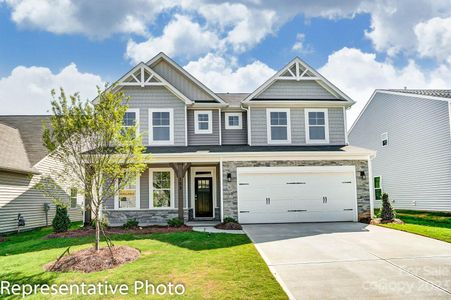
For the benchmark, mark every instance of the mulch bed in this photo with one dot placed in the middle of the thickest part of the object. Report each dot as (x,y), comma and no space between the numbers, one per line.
(89,260)
(378,221)
(229,226)
(87,231)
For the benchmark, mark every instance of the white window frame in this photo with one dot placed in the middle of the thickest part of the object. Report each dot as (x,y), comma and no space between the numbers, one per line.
(171,126)
(379,188)
(240,120)
(307,125)
(197,130)
(138,196)
(136,111)
(172,188)
(268,125)
(384,136)
(71,197)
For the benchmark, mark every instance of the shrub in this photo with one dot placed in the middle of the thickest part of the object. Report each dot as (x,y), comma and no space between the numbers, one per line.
(229,220)
(175,222)
(61,221)
(387,212)
(131,223)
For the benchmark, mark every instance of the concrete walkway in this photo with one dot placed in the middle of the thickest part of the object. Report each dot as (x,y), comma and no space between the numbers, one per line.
(210,229)
(353,261)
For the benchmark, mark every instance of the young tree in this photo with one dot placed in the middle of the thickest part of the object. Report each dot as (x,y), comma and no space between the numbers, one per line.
(387,212)
(97,154)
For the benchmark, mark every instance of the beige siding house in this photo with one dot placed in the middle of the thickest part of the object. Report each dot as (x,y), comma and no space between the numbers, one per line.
(24,162)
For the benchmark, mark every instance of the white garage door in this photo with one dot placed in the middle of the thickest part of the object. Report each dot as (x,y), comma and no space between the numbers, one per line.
(296,194)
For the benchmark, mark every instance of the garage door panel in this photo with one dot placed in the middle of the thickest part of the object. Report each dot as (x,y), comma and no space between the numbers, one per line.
(277,197)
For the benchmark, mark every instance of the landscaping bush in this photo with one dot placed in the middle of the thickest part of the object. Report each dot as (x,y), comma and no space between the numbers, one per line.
(387,212)
(130,224)
(175,222)
(61,221)
(229,220)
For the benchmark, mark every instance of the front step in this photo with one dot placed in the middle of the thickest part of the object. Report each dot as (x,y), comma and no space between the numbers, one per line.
(202,223)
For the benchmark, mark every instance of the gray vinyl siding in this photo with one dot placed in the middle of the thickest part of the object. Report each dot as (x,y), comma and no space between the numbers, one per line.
(416,165)
(289,89)
(157,97)
(234,136)
(185,85)
(297,115)
(203,139)
(19,194)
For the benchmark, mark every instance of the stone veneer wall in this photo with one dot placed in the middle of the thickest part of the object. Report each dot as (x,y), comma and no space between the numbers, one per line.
(144,217)
(230,188)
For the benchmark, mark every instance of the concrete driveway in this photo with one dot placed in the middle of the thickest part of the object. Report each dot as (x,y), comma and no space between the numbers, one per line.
(353,261)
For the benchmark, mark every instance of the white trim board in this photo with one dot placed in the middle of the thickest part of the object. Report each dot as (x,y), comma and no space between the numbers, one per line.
(233,114)
(138,196)
(197,130)
(172,187)
(212,175)
(268,126)
(307,126)
(171,127)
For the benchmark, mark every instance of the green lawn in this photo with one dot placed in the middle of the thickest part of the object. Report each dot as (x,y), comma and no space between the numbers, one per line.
(216,266)
(435,225)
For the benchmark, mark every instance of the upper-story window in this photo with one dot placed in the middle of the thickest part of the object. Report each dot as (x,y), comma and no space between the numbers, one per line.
(233,120)
(384,139)
(316,126)
(131,118)
(203,122)
(161,126)
(278,125)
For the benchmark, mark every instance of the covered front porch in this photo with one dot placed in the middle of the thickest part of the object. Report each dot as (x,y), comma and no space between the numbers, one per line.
(154,197)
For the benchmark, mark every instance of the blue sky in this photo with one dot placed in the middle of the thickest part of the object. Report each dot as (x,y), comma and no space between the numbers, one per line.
(230,46)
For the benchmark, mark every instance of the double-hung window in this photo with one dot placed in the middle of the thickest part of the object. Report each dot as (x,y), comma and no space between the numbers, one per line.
(73,197)
(128,195)
(203,122)
(278,126)
(162,189)
(316,126)
(161,123)
(233,120)
(378,187)
(131,118)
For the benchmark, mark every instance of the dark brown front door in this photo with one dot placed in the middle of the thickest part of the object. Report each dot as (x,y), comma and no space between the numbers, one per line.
(203,192)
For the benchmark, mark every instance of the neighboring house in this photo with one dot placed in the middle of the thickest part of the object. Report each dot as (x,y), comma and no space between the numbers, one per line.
(24,162)
(410,129)
(278,154)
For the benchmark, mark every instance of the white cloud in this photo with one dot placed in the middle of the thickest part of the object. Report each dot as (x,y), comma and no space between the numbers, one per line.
(434,38)
(358,74)
(181,35)
(300,46)
(223,75)
(27,89)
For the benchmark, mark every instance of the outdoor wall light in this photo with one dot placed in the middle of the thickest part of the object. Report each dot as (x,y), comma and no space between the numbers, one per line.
(229,177)
(362,175)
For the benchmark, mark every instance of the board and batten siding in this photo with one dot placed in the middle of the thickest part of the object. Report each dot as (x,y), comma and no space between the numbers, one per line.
(415,166)
(234,136)
(297,115)
(203,139)
(181,82)
(291,89)
(19,194)
(145,98)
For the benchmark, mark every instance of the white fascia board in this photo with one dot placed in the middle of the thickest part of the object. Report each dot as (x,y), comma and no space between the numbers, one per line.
(414,95)
(207,105)
(162,55)
(297,103)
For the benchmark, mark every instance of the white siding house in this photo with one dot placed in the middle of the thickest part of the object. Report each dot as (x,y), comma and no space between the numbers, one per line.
(410,129)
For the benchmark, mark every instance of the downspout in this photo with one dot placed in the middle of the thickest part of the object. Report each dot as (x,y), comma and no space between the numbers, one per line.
(248,116)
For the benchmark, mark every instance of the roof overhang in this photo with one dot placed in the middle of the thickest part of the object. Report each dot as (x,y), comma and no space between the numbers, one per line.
(298,103)
(31,171)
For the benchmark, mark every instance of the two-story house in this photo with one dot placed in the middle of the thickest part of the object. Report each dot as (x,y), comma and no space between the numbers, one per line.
(278,154)
(411,131)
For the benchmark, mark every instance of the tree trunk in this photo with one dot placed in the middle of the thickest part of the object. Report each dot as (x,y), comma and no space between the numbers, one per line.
(97,233)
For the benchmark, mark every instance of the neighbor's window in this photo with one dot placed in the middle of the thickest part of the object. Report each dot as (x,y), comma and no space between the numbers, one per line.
(203,122)
(161,123)
(73,197)
(279,125)
(161,183)
(127,195)
(130,118)
(378,188)
(384,139)
(316,126)
(233,121)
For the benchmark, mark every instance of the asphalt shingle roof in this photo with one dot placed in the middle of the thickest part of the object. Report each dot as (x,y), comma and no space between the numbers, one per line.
(234,99)
(424,92)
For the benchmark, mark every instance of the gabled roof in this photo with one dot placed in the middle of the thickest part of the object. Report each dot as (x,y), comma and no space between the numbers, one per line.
(424,92)
(21,142)
(298,70)
(142,75)
(233,99)
(161,56)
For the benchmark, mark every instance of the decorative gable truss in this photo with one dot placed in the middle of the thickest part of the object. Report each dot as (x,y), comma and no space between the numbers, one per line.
(298,70)
(143,76)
